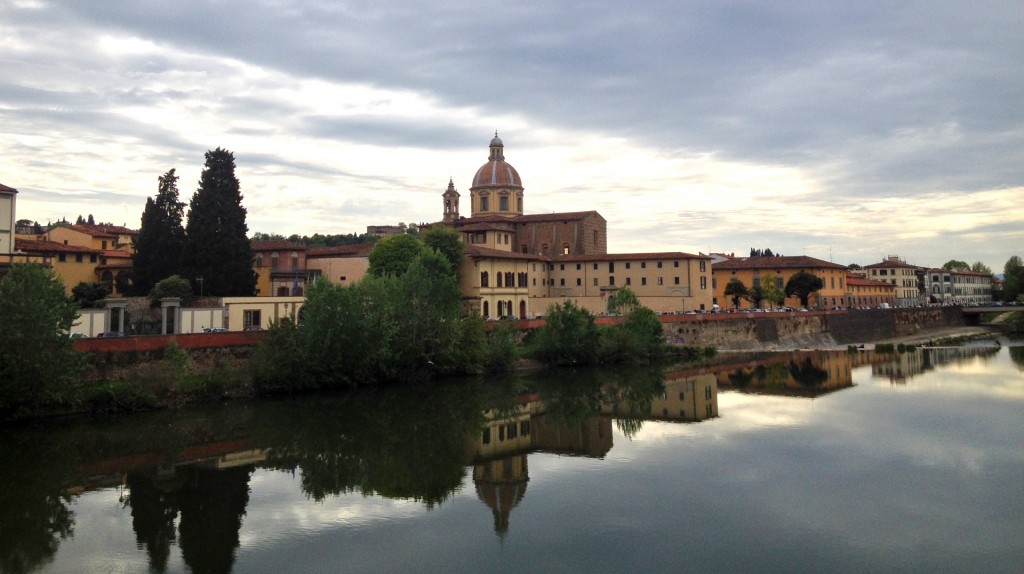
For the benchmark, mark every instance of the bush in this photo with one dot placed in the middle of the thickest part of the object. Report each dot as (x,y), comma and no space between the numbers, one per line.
(568,337)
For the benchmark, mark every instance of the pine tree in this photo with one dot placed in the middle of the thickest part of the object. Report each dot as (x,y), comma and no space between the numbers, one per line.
(217,246)
(161,238)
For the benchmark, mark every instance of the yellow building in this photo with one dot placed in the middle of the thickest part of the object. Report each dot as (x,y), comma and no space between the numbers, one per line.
(73,264)
(280,268)
(519,264)
(751,271)
(340,264)
(101,236)
(863,292)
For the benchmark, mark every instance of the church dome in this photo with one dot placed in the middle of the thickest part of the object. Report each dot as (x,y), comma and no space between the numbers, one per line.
(497,172)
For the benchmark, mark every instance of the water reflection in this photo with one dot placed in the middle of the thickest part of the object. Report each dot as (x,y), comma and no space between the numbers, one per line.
(186,476)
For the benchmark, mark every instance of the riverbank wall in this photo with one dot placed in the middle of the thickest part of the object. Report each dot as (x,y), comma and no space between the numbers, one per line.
(726,331)
(805,329)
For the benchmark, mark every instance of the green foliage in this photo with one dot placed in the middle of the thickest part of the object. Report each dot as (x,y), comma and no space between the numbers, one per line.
(387,328)
(956,265)
(37,361)
(639,337)
(802,284)
(88,295)
(770,290)
(736,290)
(623,301)
(173,286)
(447,242)
(393,255)
(502,349)
(885,348)
(1013,279)
(568,337)
(161,238)
(216,245)
(979,267)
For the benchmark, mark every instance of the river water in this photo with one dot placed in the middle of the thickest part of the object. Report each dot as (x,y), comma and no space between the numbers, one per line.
(789,462)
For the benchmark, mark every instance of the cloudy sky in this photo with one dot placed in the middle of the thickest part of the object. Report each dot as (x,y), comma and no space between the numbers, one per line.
(846,131)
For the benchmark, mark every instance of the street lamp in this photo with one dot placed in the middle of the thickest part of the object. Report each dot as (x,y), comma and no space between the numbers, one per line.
(200,280)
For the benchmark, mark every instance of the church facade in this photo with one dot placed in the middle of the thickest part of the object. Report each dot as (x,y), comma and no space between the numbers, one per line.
(518,264)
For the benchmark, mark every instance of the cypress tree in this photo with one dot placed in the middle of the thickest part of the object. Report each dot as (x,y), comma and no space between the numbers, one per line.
(161,238)
(217,245)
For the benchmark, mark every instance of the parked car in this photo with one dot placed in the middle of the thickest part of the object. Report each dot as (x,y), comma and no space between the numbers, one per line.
(253,328)
(215,330)
(111,334)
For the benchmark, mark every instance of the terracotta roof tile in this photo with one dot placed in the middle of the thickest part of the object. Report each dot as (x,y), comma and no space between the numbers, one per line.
(355,250)
(277,245)
(44,246)
(785,262)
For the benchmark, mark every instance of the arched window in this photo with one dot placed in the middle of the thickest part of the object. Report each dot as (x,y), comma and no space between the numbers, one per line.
(259,260)
(485,282)
(503,203)
(487,312)
(274,259)
(501,276)
(295,260)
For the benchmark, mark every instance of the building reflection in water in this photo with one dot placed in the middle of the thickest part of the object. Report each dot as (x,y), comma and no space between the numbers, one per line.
(899,368)
(801,374)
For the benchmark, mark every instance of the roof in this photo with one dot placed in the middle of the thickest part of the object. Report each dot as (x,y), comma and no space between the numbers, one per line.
(657,256)
(497,172)
(116,254)
(959,272)
(858,281)
(354,250)
(486,226)
(7,189)
(783,262)
(277,245)
(565,216)
(44,246)
(890,265)
(102,230)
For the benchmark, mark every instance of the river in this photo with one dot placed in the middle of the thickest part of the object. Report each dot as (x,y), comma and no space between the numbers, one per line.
(795,462)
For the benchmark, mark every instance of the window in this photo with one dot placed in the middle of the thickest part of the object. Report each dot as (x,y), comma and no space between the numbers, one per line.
(273,260)
(643,281)
(703,266)
(703,282)
(643,265)
(677,280)
(62,257)
(595,281)
(485,279)
(561,266)
(579,266)
(486,436)
(78,258)
(611,280)
(676,264)
(562,282)
(661,281)
(659,265)
(628,281)
(595,267)
(295,260)
(485,203)
(627,265)
(104,245)
(92,258)
(503,203)
(611,267)
(251,318)
(579,282)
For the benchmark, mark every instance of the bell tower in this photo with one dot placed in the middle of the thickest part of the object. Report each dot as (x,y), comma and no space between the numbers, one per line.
(451,203)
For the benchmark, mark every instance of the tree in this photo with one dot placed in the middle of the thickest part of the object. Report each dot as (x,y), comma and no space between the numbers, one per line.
(771,291)
(980,267)
(447,242)
(393,255)
(1013,279)
(161,238)
(956,265)
(90,220)
(623,301)
(802,284)
(89,294)
(737,290)
(854,266)
(568,337)
(36,358)
(217,246)
(173,286)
